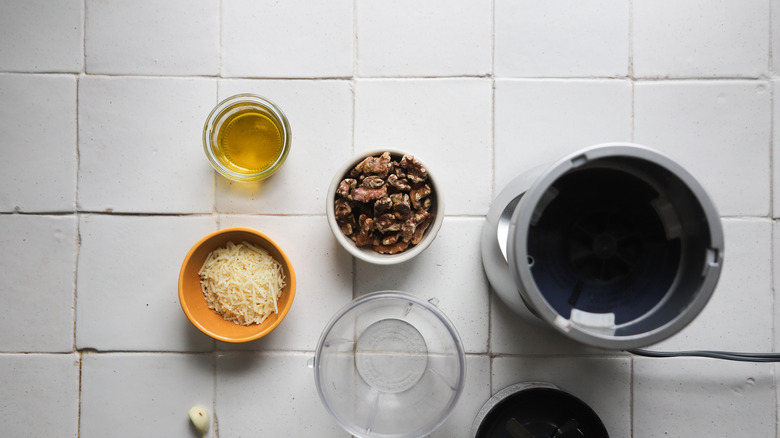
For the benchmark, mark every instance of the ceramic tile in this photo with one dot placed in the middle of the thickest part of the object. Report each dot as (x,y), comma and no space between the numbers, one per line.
(475,394)
(511,334)
(287,39)
(776,143)
(776,283)
(569,39)
(37,282)
(179,37)
(607,388)
(282,382)
(481,90)
(702,397)
(695,39)
(140,147)
(41,36)
(775,35)
(142,394)
(323,273)
(442,272)
(541,121)
(40,395)
(128,283)
(446,122)
(38,128)
(714,129)
(409,38)
(320,116)
(739,316)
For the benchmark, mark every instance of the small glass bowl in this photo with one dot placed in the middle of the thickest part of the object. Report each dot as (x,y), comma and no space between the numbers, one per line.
(231,107)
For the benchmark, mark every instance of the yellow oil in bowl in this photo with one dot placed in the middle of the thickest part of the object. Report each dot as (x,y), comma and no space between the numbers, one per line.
(249,143)
(246,138)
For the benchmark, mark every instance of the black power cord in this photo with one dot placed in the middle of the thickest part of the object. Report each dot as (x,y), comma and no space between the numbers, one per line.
(724,355)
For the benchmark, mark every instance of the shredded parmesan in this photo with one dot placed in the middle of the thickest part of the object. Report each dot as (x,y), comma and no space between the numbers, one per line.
(242,282)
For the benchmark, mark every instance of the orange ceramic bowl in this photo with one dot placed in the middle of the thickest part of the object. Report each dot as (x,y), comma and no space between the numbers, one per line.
(193,302)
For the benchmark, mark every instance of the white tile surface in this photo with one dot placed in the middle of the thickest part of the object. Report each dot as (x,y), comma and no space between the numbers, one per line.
(460,284)
(776,145)
(410,38)
(775,45)
(287,39)
(475,394)
(128,274)
(320,116)
(565,38)
(446,122)
(40,395)
(510,334)
(323,273)
(699,39)
(42,36)
(140,147)
(739,314)
(38,128)
(179,37)
(37,282)
(700,397)
(776,284)
(604,384)
(251,385)
(719,130)
(104,177)
(540,121)
(142,394)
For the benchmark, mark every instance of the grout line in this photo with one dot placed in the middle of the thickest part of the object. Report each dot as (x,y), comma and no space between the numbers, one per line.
(493,105)
(354,39)
(771,54)
(77,256)
(77,245)
(633,111)
(219,37)
(353,89)
(772,300)
(215,422)
(353,149)
(215,214)
(353,80)
(214,430)
(78,410)
(492,195)
(631,69)
(84,40)
(631,395)
(77,215)
(631,39)
(772,96)
(214,174)
(760,78)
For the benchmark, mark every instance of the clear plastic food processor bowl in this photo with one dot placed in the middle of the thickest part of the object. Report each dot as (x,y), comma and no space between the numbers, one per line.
(389,365)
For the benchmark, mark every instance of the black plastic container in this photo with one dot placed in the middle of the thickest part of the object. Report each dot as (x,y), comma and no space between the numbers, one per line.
(536,410)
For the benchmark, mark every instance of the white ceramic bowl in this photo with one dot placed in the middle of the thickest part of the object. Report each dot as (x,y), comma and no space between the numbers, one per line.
(367,253)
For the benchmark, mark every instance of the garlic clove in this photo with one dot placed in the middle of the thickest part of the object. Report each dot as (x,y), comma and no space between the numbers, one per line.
(200,418)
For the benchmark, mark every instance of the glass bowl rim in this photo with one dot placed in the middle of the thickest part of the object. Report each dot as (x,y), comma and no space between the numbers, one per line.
(218,112)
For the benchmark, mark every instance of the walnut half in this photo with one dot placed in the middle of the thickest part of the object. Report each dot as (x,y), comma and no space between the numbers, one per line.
(385,202)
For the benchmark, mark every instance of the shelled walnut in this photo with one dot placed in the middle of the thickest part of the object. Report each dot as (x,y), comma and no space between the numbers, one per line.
(385,203)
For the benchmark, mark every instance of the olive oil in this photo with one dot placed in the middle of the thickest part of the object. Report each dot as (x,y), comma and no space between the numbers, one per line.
(249,141)
(246,138)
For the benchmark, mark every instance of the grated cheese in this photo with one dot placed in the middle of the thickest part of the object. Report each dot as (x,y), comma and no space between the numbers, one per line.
(242,282)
